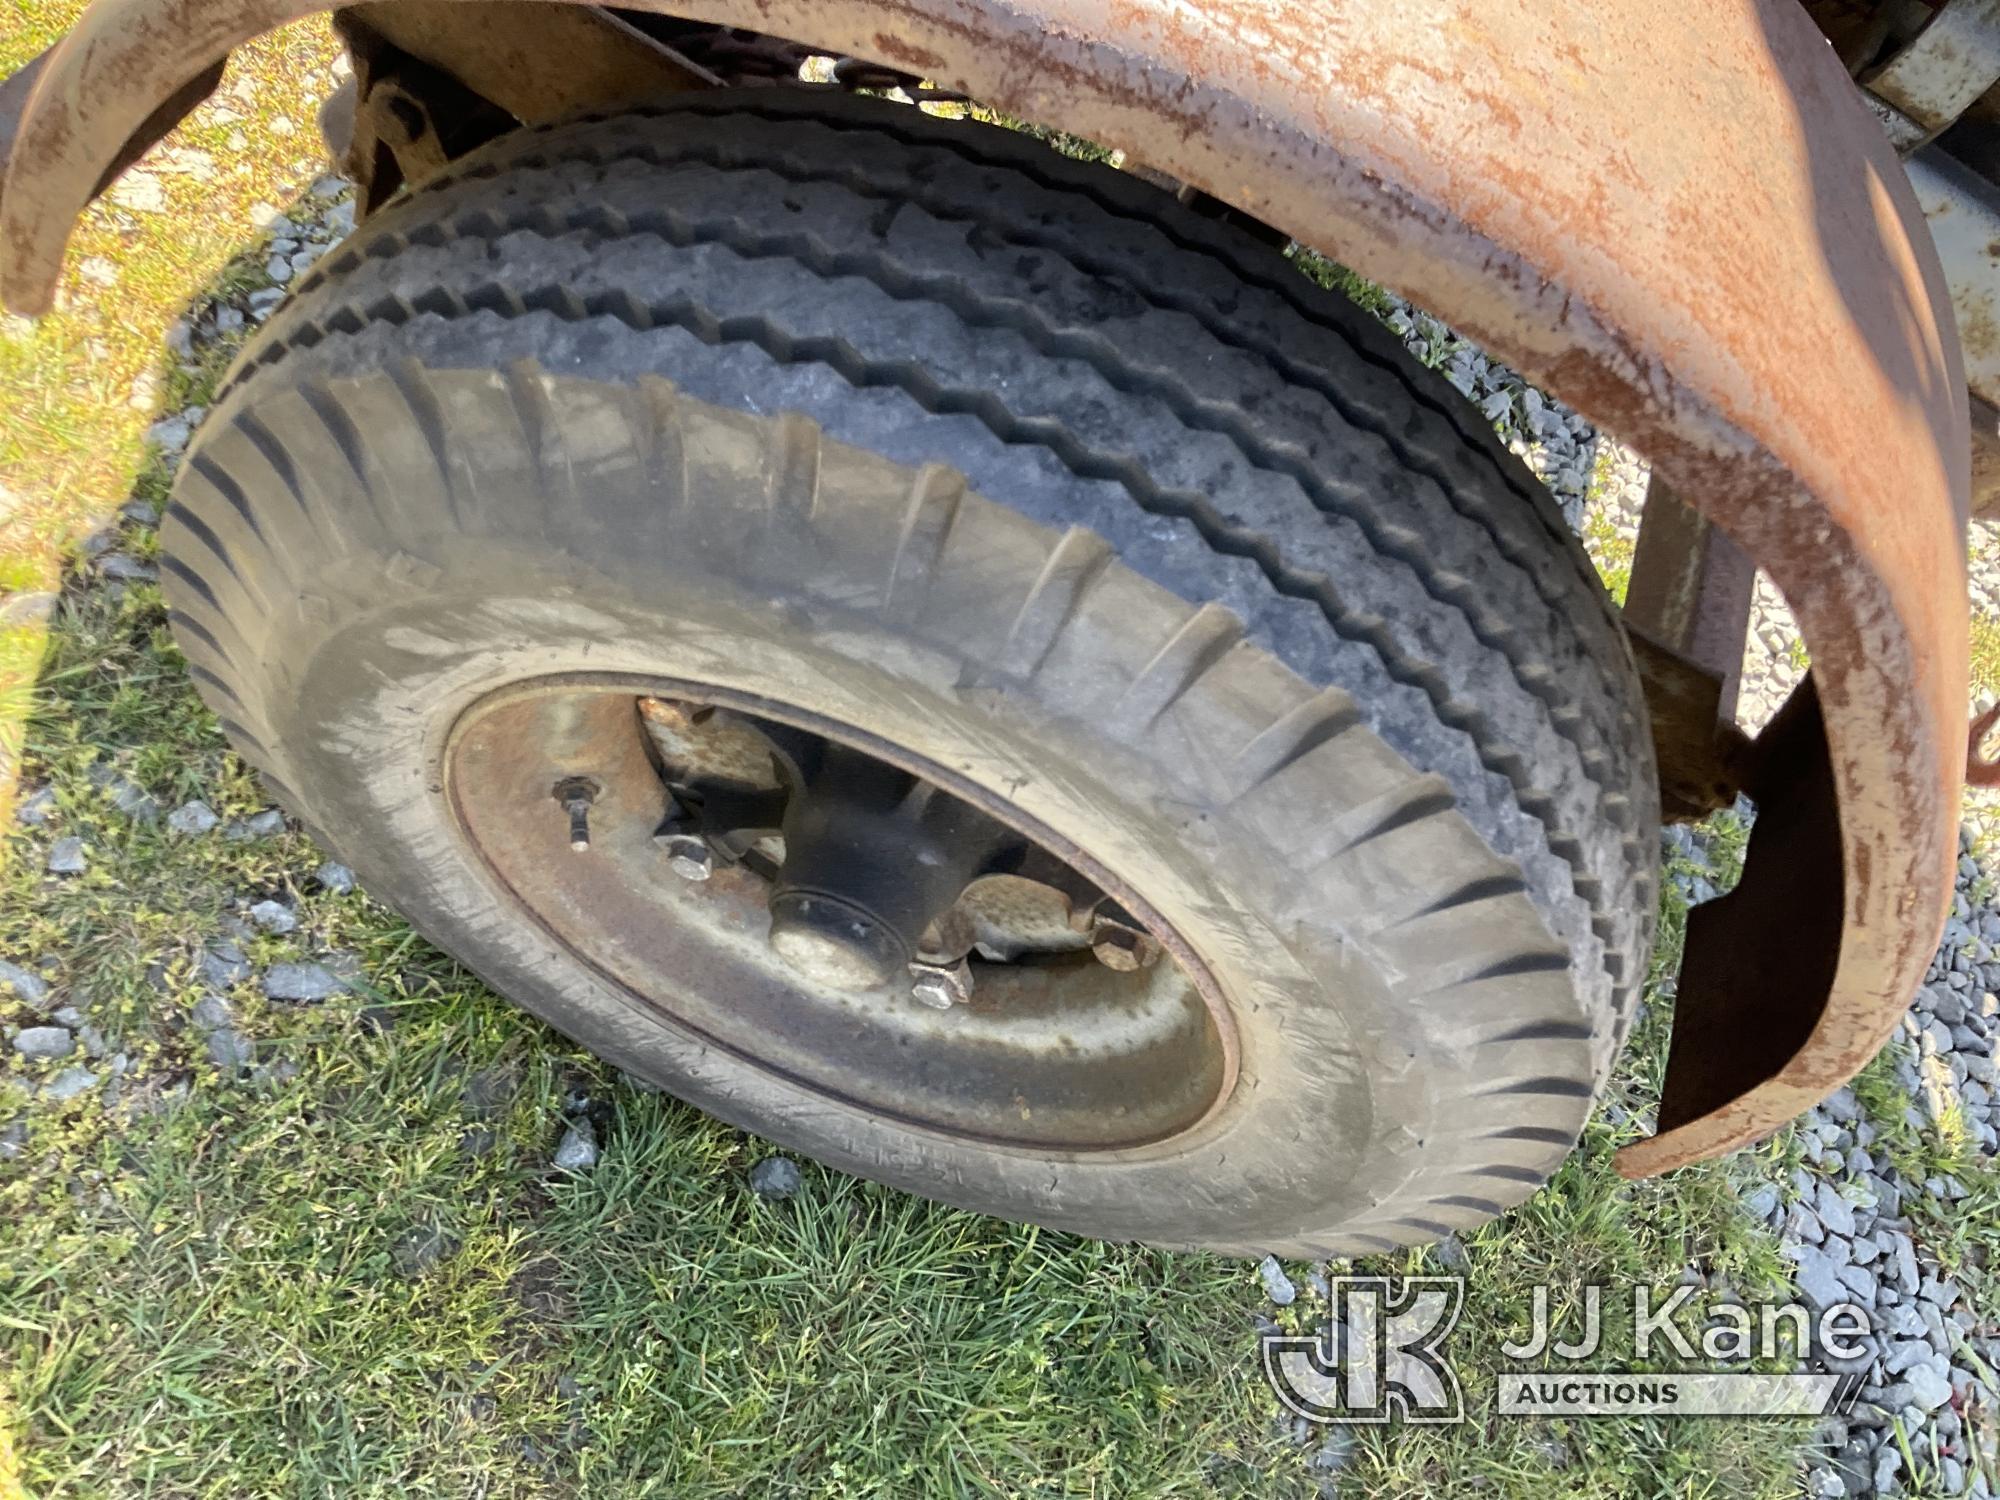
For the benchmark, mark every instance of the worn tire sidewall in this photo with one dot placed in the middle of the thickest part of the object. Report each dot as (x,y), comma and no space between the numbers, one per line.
(366,717)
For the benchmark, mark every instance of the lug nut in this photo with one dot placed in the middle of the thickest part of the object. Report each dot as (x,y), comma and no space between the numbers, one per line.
(688,854)
(941,986)
(1121,948)
(576,793)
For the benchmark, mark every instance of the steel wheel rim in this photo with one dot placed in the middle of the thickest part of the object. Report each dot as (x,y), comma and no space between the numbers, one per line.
(1064,1057)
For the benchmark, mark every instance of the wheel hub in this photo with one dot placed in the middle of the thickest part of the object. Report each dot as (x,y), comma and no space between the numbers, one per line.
(811,900)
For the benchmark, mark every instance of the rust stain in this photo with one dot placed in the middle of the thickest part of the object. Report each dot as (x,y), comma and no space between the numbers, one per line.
(890,48)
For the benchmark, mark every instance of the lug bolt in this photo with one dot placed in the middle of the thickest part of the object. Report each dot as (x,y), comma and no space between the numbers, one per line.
(941,986)
(688,854)
(576,793)
(1123,949)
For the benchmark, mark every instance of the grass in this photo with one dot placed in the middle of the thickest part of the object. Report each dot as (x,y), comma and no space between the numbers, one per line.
(84,383)
(354,1272)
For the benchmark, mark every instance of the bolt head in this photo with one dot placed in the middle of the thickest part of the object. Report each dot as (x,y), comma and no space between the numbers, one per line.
(688,855)
(1123,949)
(941,986)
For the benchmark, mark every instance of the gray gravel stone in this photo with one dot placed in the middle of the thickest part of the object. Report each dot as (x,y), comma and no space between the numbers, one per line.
(223,965)
(170,434)
(126,568)
(1277,1285)
(1860,1282)
(577,1151)
(27,987)
(229,1049)
(1928,1389)
(273,916)
(131,799)
(304,982)
(1834,1211)
(1888,1463)
(335,877)
(66,856)
(44,1042)
(192,818)
(775,1177)
(67,1084)
(264,825)
(1818,1276)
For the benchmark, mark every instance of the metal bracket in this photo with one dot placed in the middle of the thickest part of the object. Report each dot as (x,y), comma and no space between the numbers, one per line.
(1687,611)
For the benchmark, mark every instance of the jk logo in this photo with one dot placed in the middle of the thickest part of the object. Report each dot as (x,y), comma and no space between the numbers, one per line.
(1379,1356)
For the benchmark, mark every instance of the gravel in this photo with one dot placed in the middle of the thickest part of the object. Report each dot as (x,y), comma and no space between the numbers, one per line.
(36,809)
(27,987)
(66,856)
(577,1151)
(229,1049)
(125,568)
(1931,1357)
(775,1178)
(274,916)
(223,965)
(265,825)
(1277,1285)
(301,982)
(67,1084)
(125,794)
(334,877)
(43,1042)
(192,818)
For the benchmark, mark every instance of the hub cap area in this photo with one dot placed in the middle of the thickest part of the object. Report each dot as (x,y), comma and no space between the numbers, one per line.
(838,911)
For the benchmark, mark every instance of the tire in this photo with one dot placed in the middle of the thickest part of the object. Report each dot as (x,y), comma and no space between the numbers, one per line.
(1013,461)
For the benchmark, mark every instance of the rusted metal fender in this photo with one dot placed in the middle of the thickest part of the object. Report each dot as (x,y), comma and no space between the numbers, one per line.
(1680,218)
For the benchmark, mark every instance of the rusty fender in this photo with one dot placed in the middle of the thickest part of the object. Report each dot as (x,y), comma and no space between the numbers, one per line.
(1682,219)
